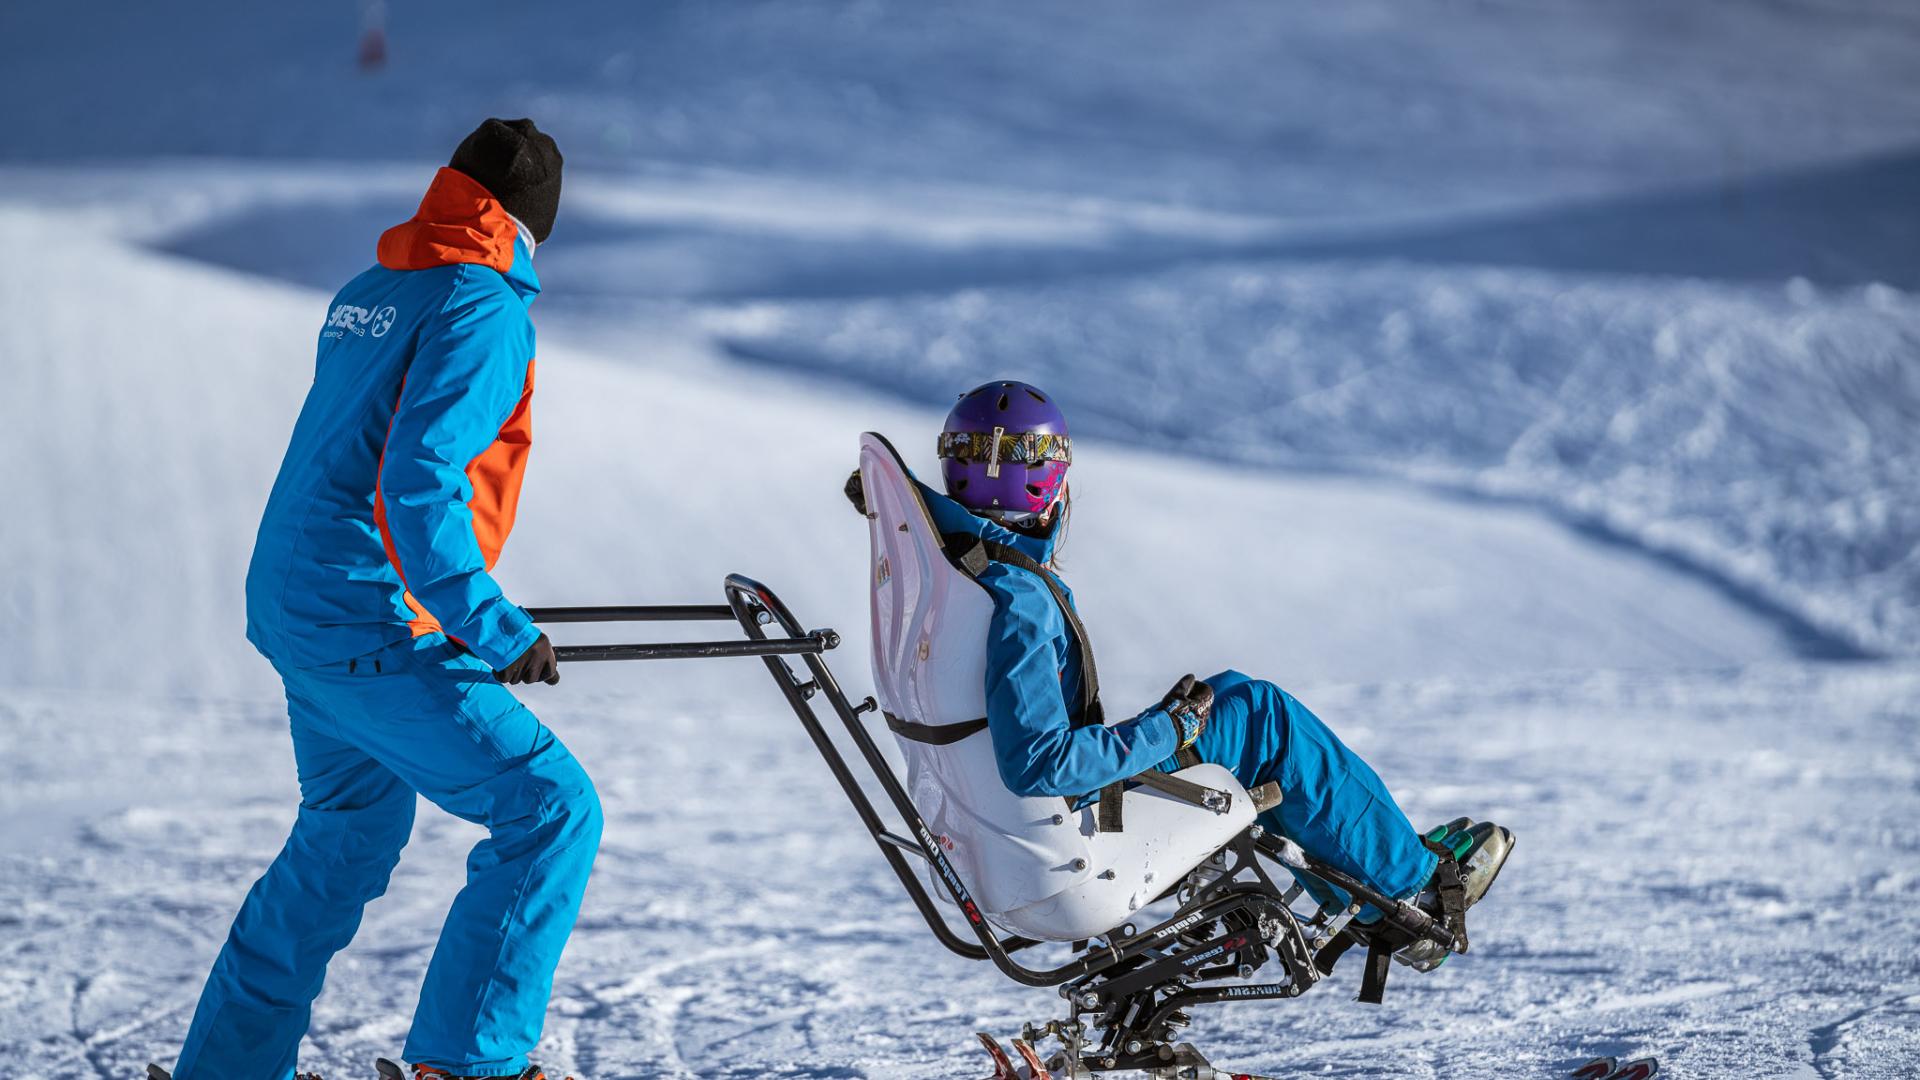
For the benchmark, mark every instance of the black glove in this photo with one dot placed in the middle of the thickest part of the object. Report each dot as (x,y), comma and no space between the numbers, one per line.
(537,664)
(856,491)
(1189,703)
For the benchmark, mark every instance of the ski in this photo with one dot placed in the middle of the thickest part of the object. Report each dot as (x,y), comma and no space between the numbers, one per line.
(1002,1064)
(1610,1068)
(1035,1070)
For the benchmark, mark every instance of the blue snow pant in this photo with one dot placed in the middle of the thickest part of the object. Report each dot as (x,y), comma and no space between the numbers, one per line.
(419,716)
(1335,806)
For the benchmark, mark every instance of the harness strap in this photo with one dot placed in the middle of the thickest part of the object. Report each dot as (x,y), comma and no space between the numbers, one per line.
(973,555)
(934,734)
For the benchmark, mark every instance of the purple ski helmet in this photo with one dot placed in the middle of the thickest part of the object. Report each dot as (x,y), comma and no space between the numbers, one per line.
(1004,452)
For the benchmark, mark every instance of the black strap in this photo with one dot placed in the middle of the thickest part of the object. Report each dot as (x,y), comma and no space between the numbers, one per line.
(1452,891)
(1373,979)
(973,554)
(1385,942)
(934,734)
(1331,953)
(1187,757)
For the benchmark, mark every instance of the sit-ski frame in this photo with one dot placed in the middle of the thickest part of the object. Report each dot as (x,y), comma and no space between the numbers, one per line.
(1134,985)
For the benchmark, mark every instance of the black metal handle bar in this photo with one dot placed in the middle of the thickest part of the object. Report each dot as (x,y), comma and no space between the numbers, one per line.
(812,644)
(634,613)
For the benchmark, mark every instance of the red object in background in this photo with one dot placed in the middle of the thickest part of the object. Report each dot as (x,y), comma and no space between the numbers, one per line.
(373,50)
(372,55)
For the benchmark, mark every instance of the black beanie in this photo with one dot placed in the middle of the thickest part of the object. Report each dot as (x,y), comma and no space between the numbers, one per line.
(520,166)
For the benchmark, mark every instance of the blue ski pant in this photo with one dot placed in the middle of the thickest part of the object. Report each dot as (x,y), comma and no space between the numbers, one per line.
(419,716)
(1334,806)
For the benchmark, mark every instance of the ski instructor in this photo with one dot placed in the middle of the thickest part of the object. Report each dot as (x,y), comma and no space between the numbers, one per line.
(370,593)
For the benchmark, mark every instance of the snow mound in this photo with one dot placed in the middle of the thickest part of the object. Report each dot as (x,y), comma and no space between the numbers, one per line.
(157,432)
(1767,436)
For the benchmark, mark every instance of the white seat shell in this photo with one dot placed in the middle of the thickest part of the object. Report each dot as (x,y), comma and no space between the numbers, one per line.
(1033,865)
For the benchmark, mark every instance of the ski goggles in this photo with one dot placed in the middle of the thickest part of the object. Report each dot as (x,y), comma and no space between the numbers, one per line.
(996,448)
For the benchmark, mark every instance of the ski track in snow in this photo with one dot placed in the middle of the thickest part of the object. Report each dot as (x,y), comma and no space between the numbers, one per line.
(1734,903)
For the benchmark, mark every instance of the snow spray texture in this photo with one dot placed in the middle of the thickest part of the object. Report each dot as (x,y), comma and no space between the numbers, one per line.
(399,487)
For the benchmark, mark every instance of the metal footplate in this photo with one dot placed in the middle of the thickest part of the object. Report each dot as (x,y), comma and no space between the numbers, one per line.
(1125,1019)
(1180,1061)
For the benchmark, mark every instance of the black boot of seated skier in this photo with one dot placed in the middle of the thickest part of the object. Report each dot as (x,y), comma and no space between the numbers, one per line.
(1478,851)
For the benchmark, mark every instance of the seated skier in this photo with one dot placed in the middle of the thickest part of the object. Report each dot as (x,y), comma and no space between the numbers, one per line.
(1004,458)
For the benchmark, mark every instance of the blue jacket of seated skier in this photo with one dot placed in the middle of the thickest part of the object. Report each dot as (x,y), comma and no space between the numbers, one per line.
(1335,805)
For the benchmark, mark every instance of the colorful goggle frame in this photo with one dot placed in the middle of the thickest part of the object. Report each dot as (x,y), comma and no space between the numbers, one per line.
(999,448)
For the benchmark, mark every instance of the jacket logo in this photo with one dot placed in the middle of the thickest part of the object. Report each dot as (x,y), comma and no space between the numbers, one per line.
(359,321)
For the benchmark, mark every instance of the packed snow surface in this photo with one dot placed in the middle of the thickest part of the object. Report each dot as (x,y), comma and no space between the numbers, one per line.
(1531,388)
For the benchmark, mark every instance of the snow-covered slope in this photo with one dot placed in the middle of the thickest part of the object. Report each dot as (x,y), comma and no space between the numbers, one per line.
(1715,867)
(147,778)
(1359,306)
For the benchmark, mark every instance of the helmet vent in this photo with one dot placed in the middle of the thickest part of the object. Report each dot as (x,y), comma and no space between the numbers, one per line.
(1034,490)
(960,484)
(1003,403)
(1037,395)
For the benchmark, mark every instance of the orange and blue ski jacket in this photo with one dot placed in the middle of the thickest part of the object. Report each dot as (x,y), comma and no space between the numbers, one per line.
(399,487)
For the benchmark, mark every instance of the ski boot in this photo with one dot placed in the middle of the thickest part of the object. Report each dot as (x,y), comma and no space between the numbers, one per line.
(1478,851)
(390,1071)
(158,1073)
